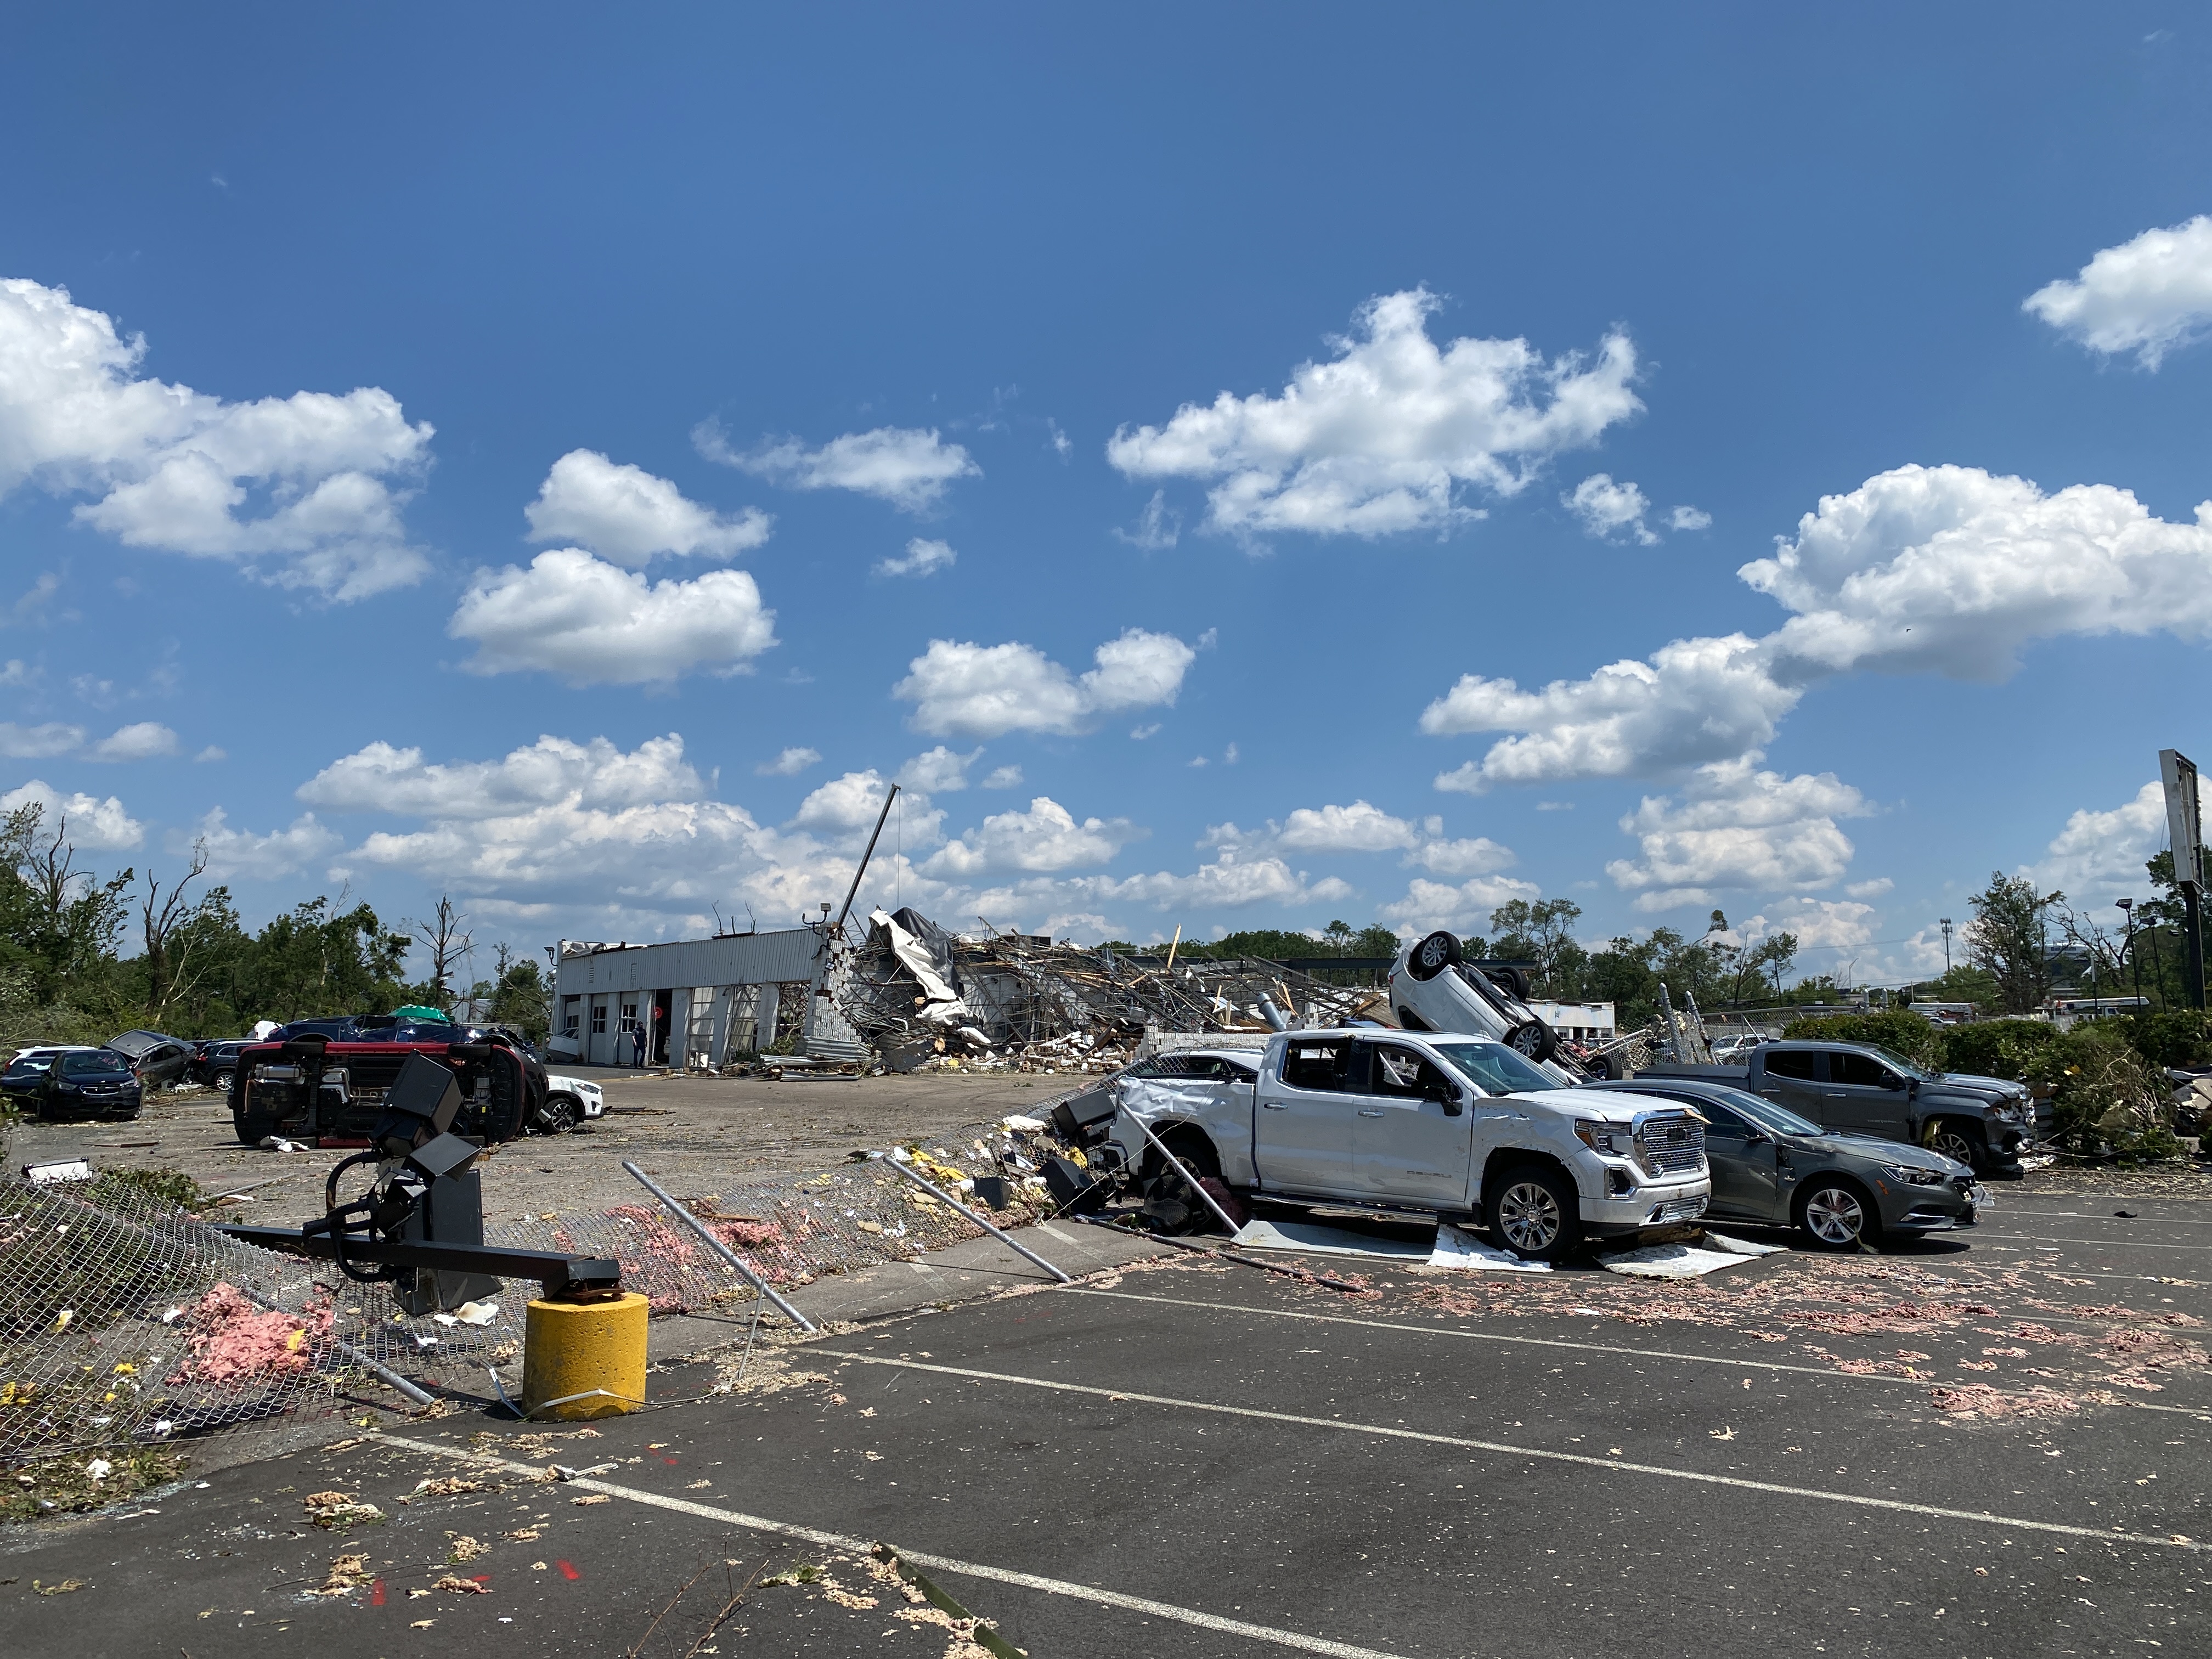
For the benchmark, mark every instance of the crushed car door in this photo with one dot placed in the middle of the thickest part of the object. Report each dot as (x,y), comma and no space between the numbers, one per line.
(1302,1132)
(1406,1147)
(1865,1096)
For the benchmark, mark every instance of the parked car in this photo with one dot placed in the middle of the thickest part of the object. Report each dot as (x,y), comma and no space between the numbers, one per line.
(568,1101)
(1731,1050)
(1857,1088)
(73,1083)
(216,1060)
(1462,1126)
(1433,987)
(1775,1169)
(158,1060)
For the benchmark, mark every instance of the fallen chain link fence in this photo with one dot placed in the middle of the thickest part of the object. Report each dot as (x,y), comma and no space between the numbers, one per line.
(127,1320)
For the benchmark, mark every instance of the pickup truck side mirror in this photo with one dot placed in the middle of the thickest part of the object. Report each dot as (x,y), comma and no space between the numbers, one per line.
(1446,1096)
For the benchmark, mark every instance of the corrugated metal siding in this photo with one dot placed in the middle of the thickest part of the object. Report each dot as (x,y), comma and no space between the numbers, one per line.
(745,959)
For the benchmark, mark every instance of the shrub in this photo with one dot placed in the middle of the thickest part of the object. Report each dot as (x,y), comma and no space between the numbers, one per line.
(2010,1048)
(2181,1037)
(2110,1099)
(1907,1034)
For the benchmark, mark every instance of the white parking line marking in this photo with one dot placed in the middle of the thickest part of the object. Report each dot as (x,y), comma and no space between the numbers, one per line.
(2203,1413)
(2125,1243)
(2086,1215)
(1213,1621)
(1505,1449)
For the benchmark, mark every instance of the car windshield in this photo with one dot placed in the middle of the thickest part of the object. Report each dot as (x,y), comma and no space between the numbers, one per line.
(1494,1069)
(1766,1114)
(92,1064)
(1902,1066)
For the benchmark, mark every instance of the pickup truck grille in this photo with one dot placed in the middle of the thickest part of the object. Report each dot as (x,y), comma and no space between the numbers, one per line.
(1671,1145)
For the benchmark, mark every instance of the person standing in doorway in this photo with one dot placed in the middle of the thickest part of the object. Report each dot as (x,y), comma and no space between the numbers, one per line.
(637,1044)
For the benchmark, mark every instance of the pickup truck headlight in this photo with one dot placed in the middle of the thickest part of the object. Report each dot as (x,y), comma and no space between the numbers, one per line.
(1911,1177)
(2012,1111)
(1610,1138)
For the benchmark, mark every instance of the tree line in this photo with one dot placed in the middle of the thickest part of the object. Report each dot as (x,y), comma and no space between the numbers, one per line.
(84,955)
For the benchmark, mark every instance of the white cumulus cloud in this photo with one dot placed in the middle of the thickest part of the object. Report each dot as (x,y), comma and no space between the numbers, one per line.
(923,558)
(234,852)
(963,689)
(1605,507)
(592,623)
(1045,839)
(39,742)
(1949,569)
(1359,828)
(941,769)
(910,468)
(1477,855)
(1689,518)
(625,514)
(2150,295)
(789,763)
(1464,909)
(1734,826)
(1004,777)
(141,740)
(92,824)
(2099,855)
(1377,439)
(304,492)
(381,778)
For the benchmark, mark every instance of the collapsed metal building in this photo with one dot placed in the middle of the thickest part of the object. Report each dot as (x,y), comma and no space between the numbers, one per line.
(913,992)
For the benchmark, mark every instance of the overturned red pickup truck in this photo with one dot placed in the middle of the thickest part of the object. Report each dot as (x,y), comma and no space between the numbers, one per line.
(308,1088)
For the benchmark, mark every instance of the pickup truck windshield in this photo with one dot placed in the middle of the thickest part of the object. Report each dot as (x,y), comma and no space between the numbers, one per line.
(1494,1069)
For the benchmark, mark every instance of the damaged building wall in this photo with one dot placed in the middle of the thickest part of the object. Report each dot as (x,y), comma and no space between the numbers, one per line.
(699,1001)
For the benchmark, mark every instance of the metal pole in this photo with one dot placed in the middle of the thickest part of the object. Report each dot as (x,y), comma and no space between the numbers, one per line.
(855,888)
(721,1250)
(384,1373)
(897,1161)
(1183,1170)
(2194,945)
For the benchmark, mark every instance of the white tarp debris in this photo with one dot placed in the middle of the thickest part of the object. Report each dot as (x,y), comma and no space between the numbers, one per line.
(1457,1248)
(1685,1260)
(944,1007)
(1316,1239)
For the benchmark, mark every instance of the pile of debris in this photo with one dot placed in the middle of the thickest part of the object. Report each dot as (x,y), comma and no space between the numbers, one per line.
(925,998)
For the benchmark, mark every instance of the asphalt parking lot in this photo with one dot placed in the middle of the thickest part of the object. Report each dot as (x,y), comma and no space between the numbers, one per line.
(1990,1446)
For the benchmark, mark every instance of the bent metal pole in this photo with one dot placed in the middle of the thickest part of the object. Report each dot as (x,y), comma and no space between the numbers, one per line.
(1183,1170)
(897,1161)
(721,1250)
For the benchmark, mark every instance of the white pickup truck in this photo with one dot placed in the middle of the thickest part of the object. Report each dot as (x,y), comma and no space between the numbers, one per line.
(1463,1127)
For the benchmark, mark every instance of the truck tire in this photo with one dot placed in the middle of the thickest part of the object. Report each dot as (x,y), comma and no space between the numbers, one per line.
(1515,980)
(1534,1211)
(1170,1205)
(1439,951)
(1961,1139)
(1836,1214)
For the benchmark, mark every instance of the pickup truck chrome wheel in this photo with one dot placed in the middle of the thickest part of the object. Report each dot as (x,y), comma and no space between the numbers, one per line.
(1528,1217)
(1955,1143)
(1836,1215)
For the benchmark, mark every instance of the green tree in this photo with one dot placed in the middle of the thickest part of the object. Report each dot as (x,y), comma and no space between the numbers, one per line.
(317,960)
(2009,940)
(1543,930)
(521,997)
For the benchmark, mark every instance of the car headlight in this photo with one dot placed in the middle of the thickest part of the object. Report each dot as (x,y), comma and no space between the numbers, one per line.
(1911,1177)
(1607,1138)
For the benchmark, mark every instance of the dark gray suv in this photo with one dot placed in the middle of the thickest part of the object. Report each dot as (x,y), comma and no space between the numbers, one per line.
(1775,1169)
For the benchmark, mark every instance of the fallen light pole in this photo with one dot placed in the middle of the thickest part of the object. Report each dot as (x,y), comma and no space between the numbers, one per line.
(730,1257)
(896,1159)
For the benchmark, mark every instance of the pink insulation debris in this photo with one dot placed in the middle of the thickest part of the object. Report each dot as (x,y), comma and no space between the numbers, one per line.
(233,1341)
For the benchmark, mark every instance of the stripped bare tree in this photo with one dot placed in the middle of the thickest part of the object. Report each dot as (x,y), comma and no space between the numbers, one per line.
(445,936)
(165,926)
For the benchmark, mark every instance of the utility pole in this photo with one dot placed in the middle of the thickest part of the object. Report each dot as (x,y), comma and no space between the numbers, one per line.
(1946,925)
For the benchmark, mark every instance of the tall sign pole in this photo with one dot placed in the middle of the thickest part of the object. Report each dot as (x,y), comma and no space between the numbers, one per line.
(2185,825)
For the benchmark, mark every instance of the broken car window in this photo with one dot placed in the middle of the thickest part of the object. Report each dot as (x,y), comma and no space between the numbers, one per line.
(1315,1065)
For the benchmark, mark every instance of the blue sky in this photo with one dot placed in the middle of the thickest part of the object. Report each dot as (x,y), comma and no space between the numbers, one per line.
(1277,383)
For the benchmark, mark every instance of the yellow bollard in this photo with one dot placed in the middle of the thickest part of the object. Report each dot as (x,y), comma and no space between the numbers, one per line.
(574,1348)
